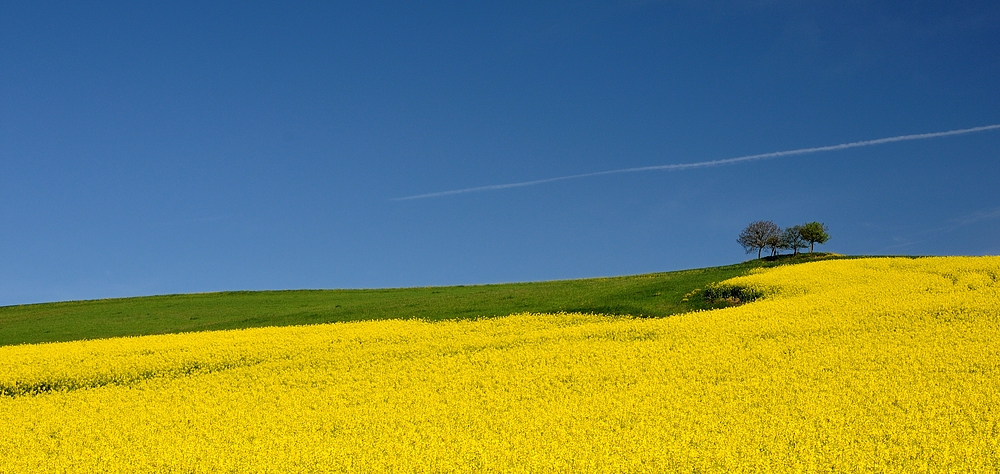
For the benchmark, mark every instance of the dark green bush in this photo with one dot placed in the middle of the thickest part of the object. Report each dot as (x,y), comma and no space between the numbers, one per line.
(735,294)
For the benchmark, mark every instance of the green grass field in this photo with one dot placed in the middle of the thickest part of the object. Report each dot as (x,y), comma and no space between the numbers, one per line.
(650,295)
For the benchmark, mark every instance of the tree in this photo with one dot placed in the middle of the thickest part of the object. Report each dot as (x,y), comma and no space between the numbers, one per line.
(756,236)
(815,233)
(792,239)
(776,242)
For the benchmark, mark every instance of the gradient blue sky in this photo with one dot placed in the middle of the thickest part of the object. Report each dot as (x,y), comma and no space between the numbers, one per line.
(204,146)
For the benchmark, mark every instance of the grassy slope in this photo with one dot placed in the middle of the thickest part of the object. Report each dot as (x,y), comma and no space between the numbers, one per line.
(653,295)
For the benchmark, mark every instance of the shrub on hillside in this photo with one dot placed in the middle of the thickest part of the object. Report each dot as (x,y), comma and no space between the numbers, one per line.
(734,294)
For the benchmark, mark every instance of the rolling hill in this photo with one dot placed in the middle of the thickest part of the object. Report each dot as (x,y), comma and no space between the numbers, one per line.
(648,295)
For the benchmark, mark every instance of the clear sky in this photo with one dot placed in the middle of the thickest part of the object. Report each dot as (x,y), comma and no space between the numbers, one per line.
(190,147)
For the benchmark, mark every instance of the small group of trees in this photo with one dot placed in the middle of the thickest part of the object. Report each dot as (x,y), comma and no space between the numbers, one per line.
(762,235)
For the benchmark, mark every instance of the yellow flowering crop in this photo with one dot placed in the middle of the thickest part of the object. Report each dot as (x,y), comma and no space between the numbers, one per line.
(846,365)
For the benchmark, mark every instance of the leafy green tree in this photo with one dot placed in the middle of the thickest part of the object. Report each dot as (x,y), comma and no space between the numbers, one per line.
(815,233)
(758,235)
(792,239)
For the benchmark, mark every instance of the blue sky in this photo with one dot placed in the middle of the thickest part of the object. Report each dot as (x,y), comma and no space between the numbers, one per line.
(150,149)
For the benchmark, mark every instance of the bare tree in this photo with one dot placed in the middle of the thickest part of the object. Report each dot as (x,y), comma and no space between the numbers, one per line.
(757,235)
(775,242)
(792,239)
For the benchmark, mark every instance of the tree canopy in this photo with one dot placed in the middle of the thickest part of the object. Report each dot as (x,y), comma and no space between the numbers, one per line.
(758,235)
(766,234)
(792,239)
(815,233)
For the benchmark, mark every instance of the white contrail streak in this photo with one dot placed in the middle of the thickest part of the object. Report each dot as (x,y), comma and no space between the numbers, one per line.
(703,164)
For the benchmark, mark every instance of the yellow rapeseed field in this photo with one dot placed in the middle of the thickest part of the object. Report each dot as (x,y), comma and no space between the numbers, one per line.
(847,365)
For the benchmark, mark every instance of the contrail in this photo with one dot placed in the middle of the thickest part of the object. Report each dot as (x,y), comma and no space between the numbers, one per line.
(703,164)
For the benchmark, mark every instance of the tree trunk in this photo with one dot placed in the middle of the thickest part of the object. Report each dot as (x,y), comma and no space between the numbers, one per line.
(811,247)
(758,252)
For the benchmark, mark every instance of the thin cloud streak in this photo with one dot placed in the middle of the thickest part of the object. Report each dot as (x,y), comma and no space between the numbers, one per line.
(705,164)
(968,219)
